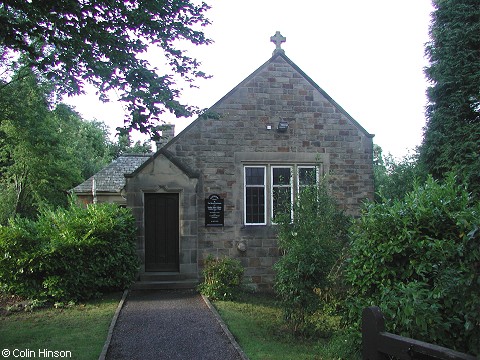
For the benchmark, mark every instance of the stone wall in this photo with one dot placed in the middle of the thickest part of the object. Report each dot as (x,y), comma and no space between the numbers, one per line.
(236,132)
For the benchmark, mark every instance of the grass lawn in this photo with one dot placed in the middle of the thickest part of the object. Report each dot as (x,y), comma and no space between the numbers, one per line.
(81,329)
(256,322)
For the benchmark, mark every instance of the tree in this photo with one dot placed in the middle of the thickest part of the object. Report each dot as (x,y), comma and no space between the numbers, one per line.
(26,143)
(125,145)
(452,133)
(102,42)
(395,178)
(312,243)
(87,141)
(43,152)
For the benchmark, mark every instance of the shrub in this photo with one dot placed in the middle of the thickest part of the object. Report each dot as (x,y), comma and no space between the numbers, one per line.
(66,255)
(419,260)
(312,243)
(222,278)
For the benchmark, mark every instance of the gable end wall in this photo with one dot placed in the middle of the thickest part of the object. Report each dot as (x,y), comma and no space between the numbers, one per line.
(218,147)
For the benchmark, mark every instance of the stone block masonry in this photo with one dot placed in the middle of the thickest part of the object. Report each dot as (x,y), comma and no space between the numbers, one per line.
(242,131)
(317,125)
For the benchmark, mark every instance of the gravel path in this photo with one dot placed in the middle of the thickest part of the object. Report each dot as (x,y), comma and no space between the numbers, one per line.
(168,324)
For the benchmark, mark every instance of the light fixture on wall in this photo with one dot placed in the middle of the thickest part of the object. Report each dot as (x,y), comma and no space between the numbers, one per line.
(282,126)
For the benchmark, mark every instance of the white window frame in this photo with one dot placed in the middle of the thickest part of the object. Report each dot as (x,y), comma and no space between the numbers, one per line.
(255,186)
(268,187)
(290,185)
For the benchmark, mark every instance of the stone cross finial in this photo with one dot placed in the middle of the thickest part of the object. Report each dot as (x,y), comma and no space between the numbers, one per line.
(278,39)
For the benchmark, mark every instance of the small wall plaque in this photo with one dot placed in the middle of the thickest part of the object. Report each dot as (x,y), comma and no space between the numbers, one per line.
(214,210)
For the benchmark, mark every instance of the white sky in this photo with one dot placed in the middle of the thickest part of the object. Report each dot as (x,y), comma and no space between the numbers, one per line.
(367,55)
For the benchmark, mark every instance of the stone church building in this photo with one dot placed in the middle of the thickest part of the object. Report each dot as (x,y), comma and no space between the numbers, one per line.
(212,189)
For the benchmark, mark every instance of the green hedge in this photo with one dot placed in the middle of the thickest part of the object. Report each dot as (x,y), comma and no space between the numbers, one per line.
(69,254)
(419,261)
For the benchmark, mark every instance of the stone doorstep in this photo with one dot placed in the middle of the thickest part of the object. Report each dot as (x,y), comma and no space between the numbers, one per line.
(164,285)
(164,280)
(163,276)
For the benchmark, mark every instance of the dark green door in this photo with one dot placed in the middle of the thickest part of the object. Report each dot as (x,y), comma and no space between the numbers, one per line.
(161,232)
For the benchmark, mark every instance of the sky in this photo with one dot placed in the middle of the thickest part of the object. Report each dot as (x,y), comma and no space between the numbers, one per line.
(367,55)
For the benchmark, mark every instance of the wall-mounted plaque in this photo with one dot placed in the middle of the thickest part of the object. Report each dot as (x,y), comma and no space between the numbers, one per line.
(214,211)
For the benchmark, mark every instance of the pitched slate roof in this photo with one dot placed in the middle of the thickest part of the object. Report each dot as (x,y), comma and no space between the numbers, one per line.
(111,179)
(187,170)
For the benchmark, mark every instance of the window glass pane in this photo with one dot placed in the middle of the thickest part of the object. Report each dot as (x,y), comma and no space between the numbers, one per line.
(255,205)
(255,195)
(254,176)
(281,176)
(281,201)
(307,176)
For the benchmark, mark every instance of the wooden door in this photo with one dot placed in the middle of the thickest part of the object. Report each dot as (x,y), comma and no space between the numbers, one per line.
(161,232)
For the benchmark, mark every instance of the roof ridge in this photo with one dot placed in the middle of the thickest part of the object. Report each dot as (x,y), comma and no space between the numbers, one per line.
(136,155)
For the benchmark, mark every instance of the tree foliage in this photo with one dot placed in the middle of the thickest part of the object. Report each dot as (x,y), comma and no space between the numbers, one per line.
(418,259)
(125,145)
(452,134)
(103,43)
(395,178)
(87,141)
(43,152)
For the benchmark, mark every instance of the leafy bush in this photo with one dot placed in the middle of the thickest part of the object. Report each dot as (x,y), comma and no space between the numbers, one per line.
(222,278)
(419,260)
(72,254)
(312,243)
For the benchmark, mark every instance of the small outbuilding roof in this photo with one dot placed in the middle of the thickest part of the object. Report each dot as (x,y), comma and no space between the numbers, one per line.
(111,179)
